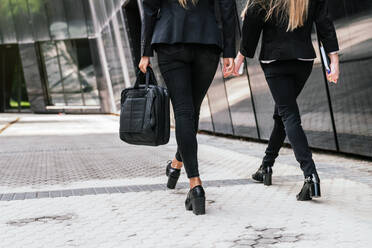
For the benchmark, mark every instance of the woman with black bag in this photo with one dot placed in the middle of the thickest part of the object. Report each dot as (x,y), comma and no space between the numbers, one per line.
(287,56)
(188,42)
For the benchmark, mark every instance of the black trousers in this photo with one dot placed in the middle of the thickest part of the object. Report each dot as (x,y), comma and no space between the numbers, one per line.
(188,71)
(286,80)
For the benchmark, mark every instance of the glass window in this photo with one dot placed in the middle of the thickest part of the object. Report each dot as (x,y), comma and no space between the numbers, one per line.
(57,19)
(351,97)
(219,106)
(13,94)
(240,99)
(19,9)
(7,29)
(70,73)
(39,19)
(113,61)
(75,14)
(127,47)
(205,119)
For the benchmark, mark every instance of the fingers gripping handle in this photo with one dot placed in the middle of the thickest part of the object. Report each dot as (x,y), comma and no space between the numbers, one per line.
(148,78)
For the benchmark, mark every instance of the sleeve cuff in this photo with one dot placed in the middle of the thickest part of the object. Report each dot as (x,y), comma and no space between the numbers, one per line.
(330,45)
(229,52)
(147,51)
(245,53)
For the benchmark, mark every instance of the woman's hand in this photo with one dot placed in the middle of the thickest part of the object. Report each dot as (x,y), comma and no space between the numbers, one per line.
(239,60)
(228,67)
(144,63)
(335,68)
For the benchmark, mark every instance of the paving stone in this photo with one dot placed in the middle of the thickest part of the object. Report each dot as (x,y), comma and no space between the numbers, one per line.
(90,162)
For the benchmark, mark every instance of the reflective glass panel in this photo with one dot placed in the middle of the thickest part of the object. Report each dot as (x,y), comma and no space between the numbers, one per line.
(57,19)
(109,8)
(31,71)
(52,67)
(113,61)
(75,14)
(239,97)
(70,73)
(19,9)
(351,97)
(39,19)
(87,74)
(7,29)
(205,119)
(218,104)
(127,47)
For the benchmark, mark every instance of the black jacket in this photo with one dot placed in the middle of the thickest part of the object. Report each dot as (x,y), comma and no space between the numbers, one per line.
(278,44)
(166,21)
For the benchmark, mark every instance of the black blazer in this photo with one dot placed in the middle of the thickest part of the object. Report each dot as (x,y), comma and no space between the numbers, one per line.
(278,44)
(166,21)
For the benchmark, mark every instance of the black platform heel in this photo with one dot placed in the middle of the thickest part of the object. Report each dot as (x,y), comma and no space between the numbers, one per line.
(173,175)
(315,188)
(195,200)
(310,189)
(267,176)
(263,175)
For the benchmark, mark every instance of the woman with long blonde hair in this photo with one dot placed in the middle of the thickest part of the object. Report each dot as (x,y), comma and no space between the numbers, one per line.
(287,56)
(188,42)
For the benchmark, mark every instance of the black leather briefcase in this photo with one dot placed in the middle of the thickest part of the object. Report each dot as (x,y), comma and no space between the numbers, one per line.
(144,117)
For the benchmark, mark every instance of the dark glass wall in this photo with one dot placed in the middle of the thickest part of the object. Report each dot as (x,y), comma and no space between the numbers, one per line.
(334,117)
(13,93)
(352,97)
(69,73)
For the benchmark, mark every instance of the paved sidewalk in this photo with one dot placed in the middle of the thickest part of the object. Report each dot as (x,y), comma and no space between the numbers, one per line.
(68,181)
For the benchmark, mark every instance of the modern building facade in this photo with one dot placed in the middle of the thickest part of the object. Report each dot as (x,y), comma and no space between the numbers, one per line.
(76,56)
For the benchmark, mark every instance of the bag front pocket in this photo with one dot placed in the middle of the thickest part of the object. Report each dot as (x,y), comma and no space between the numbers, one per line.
(133,113)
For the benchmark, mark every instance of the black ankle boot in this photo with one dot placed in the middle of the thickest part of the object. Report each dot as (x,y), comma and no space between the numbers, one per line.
(173,175)
(310,189)
(263,174)
(195,200)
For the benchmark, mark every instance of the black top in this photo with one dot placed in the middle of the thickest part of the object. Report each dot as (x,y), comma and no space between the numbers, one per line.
(278,44)
(166,21)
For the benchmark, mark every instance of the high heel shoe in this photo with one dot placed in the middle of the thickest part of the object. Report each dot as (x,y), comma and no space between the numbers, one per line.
(195,200)
(173,174)
(310,189)
(263,175)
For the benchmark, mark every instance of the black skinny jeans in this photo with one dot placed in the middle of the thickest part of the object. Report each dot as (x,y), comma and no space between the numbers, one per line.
(286,80)
(188,71)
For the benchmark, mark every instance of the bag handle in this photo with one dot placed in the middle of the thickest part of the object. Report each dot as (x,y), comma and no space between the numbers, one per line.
(148,78)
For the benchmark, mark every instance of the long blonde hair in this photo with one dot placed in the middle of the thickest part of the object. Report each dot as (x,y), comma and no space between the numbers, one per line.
(184,3)
(293,11)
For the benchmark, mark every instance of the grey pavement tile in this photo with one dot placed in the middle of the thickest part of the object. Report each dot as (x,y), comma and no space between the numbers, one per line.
(135,188)
(158,187)
(78,192)
(100,190)
(19,196)
(30,195)
(148,188)
(7,197)
(89,191)
(44,194)
(54,194)
(123,189)
(66,193)
(112,190)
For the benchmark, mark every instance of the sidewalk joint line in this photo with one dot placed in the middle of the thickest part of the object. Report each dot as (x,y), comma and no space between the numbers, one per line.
(122,189)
